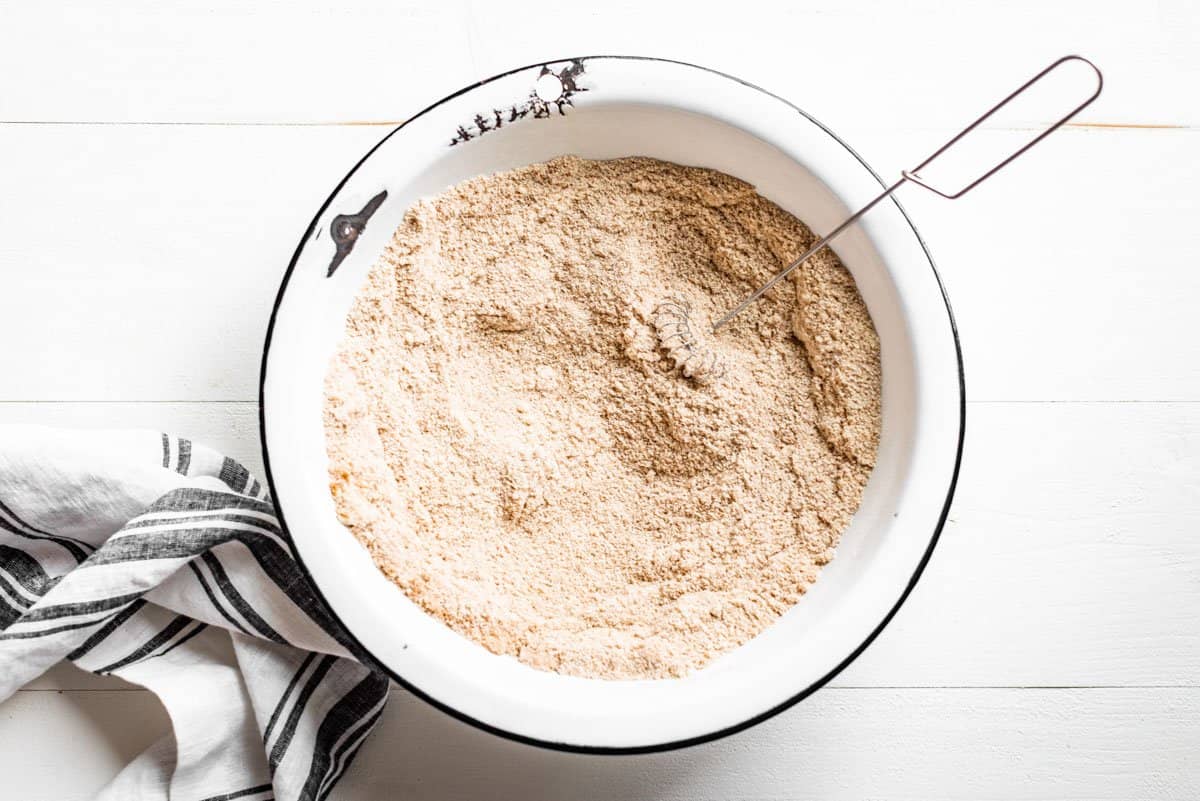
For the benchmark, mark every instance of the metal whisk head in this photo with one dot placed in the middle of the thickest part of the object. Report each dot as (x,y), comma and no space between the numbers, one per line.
(695,359)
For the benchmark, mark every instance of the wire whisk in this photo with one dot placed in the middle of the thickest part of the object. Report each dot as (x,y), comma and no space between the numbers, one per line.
(672,323)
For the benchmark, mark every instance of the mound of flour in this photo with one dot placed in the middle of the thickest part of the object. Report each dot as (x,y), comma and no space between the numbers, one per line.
(508,441)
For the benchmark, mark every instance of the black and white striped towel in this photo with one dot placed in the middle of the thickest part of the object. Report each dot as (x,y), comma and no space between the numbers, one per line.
(151,558)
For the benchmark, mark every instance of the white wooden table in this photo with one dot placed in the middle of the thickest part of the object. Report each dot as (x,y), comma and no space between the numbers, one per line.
(159,161)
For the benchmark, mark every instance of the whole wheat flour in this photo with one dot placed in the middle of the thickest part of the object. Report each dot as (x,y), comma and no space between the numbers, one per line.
(507,439)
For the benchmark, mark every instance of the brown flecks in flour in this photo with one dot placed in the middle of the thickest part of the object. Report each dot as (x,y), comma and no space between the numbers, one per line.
(511,445)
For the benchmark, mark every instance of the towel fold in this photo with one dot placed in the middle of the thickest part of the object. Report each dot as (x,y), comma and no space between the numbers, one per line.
(153,558)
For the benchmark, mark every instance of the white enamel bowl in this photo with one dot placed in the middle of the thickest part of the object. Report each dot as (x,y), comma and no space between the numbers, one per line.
(620,106)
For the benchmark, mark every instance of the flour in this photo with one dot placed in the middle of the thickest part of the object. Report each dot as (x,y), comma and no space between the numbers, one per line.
(508,440)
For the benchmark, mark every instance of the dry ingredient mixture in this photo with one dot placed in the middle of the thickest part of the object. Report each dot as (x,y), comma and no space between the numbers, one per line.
(508,440)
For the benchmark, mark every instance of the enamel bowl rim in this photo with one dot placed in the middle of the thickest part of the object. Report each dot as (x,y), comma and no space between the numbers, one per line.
(721,732)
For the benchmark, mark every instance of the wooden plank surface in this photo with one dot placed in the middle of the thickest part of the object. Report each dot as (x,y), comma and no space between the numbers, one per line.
(231,428)
(911,745)
(853,64)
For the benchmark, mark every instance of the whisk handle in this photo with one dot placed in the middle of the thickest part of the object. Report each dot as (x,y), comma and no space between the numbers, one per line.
(914,176)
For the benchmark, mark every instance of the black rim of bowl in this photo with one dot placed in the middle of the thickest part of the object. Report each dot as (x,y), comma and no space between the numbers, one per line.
(675,744)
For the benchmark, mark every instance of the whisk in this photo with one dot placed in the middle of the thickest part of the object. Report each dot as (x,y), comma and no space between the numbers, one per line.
(672,317)
(695,361)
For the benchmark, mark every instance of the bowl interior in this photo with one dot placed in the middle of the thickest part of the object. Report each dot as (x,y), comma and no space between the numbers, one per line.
(669,111)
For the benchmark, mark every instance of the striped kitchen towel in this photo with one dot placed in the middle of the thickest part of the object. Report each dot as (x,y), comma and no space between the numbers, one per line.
(152,558)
